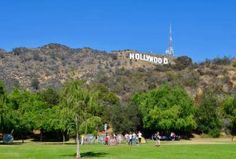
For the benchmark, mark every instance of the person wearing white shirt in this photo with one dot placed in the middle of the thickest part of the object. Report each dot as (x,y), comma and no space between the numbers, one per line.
(139,137)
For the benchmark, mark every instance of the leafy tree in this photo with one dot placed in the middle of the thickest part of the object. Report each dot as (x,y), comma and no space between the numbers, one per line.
(28,112)
(207,115)
(62,120)
(50,96)
(19,112)
(90,125)
(4,118)
(229,113)
(166,108)
(39,113)
(121,117)
(125,118)
(79,102)
(106,101)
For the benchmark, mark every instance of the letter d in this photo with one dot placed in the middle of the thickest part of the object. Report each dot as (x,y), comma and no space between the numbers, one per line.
(165,61)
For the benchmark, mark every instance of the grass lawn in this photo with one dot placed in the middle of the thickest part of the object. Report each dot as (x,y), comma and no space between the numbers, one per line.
(168,150)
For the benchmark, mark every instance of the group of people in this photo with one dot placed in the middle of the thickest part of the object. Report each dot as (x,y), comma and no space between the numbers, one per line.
(133,138)
(158,137)
(111,139)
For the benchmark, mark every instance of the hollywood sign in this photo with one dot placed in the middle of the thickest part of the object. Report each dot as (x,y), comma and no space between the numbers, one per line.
(149,58)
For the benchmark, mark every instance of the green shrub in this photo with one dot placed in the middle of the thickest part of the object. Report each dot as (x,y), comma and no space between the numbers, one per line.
(214,133)
(182,62)
(234,63)
(221,61)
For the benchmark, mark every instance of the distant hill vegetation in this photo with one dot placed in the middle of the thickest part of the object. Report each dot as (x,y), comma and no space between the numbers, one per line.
(53,64)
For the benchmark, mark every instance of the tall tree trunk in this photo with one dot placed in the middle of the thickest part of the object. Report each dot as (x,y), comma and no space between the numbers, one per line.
(78,146)
(63,137)
(77,138)
(41,135)
(22,138)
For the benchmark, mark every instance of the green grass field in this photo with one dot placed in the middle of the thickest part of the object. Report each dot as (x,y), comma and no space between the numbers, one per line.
(168,150)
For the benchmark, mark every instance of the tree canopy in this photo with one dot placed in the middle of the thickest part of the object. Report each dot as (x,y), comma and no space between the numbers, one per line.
(166,108)
(229,113)
(208,116)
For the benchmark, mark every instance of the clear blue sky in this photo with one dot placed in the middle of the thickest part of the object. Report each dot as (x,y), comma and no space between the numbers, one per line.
(201,28)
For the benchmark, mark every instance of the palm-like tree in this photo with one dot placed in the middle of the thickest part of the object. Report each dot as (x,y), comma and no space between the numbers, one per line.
(78,100)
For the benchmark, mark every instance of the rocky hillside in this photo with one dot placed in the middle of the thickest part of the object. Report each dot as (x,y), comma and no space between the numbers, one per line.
(51,65)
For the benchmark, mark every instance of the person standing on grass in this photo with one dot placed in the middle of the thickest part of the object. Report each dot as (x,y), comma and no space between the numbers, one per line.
(130,139)
(139,137)
(106,139)
(82,139)
(134,138)
(158,139)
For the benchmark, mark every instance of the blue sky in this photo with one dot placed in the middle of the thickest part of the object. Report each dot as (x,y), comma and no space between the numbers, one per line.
(201,28)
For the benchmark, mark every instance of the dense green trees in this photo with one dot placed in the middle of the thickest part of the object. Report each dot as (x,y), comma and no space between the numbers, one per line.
(56,111)
(229,114)
(80,108)
(125,118)
(208,115)
(4,117)
(28,111)
(20,110)
(166,109)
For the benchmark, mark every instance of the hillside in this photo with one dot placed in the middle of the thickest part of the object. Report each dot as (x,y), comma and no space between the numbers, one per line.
(51,65)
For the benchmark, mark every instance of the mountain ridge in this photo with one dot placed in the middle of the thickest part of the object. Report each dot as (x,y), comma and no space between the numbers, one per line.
(53,64)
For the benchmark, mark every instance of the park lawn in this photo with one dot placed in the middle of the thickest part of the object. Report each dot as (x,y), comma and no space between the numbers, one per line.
(123,151)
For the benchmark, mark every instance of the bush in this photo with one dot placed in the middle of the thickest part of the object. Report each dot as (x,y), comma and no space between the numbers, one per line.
(2,53)
(221,61)
(214,133)
(35,83)
(182,62)
(234,63)
(207,116)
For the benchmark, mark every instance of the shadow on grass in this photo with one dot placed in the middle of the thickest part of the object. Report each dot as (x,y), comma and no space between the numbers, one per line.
(14,143)
(89,154)
(53,143)
(93,154)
